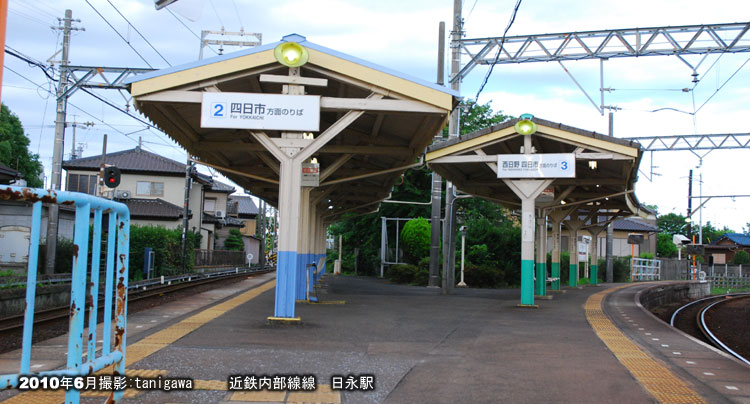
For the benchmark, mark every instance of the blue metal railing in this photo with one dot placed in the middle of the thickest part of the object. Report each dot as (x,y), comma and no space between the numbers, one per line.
(118,242)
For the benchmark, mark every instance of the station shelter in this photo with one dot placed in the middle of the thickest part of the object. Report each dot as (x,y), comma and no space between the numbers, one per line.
(312,131)
(557,176)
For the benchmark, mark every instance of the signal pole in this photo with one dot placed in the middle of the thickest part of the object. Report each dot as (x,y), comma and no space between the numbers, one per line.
(57,154)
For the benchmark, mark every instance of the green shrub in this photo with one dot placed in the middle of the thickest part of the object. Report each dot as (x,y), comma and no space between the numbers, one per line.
(664,246)
(402,273)
(415,238)
(63,256)
(483,276)
(647,255)
(234,241)
(167,247)
(741,257)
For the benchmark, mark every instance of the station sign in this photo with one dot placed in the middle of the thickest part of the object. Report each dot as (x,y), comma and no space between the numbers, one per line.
(310,174)
(545,165)
(299,113)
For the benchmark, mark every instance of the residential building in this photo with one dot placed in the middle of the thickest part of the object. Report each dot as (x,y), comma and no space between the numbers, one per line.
(723,249)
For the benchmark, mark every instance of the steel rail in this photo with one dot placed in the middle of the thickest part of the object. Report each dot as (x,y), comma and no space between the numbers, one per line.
(713,338)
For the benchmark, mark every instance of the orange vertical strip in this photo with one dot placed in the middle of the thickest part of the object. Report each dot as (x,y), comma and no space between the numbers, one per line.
(3,24)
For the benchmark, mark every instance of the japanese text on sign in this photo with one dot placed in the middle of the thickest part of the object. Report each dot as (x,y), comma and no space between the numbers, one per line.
(548,165)
(260,111)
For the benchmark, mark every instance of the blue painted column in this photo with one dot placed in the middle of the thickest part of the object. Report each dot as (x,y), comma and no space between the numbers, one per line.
(288,260)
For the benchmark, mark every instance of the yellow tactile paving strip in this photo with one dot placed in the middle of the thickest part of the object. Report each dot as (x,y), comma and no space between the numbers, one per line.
(666,387)
(151,344)
(322,395)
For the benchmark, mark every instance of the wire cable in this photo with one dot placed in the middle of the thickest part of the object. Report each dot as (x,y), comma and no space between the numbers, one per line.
(724,84)
(499,48)
(190,30)
(216,12)
(237,12)
(139,33)
(120,35)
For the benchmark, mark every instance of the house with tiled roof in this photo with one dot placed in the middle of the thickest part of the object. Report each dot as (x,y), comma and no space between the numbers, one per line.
(725,247)
(622,228)
(153,188)
(9,175)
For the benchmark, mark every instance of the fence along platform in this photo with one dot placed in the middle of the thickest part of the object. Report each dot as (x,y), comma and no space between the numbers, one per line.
(118,237)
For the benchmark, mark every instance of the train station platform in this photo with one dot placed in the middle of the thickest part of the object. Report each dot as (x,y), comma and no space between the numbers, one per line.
(390,343)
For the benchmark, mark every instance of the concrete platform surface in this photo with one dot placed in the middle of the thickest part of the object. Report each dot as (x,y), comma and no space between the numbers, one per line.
(420,346)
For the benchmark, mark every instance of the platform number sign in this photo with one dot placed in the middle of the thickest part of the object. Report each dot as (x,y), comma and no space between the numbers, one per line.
(218,109)
(542,165)
(299,113)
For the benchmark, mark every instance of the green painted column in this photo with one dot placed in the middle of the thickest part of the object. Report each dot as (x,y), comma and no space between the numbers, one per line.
(527,191)
(594,271)
(556,217)
(593,274)
(573,226)
(541,256)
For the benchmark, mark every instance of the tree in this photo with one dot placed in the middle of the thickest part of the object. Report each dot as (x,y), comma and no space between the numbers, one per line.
(673,223)
(475,116)
(363,231)
(234,241)
(14,151)
(416,239)
(741,257)
(664,246)
(710,233)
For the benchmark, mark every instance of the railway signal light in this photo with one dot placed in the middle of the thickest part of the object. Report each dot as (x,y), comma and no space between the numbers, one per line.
(111,177)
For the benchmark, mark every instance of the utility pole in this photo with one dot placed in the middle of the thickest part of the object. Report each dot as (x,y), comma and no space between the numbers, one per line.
(73,152)
(261,223)
(57,155)
(437,181)
(609,263)
(453,132)
(690,206)
(186,209)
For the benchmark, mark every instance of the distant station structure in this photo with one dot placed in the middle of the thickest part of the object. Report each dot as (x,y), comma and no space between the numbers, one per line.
(555,174)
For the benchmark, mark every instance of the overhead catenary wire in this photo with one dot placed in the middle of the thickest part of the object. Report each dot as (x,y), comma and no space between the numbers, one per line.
(190,30)
(499,48)
(120,35)
(139,33)
(237,12)
(103,100)
(724,84)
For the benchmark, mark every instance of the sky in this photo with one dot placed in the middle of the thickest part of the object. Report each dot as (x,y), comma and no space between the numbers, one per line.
(403,35)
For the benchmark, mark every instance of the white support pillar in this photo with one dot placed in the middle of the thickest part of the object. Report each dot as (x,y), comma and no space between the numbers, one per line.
(303,239)
(527,191)
(594,272)
(290,179)
(573,225)
(541,254)
(556,217)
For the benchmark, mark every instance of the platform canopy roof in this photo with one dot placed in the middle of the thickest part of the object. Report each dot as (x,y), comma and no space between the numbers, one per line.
(606,168)
(381,120)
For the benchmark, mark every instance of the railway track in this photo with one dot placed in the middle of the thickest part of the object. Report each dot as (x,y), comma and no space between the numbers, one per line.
(711,320)
(53,322)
